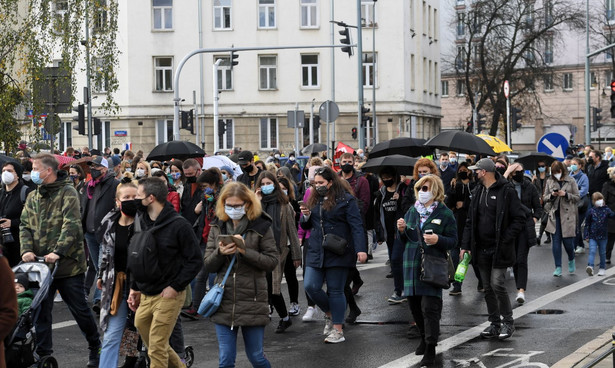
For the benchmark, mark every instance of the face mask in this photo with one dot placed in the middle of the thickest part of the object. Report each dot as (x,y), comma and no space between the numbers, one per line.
(247,169)
(224,177)
(209,190)
(267,189)
(574,168)
(26,177)
(501,170)
(321,190)
(422,175)
(128,169)
(542,169)
(444,165)
(361,155)
(347,168)
(463,175)
(36,178)
(292,159)
(558,176)
(388,183)
(140,173)
(425,197)
(453,160)
(7,178)
(590,160)
(128,207)
(235,213)
(600,203)
(95,173)
(518,176)
(139,205)
(176,175)
(276,156)
(285,191)
(191,179)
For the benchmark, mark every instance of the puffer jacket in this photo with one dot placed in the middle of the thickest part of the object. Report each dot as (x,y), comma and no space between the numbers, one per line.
(567,206)
(245,301)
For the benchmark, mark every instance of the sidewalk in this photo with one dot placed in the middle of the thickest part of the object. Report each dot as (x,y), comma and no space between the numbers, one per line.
(590,351)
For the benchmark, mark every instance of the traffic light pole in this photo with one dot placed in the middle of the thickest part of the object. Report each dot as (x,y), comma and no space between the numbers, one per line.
(588,136)
(508,140)
(87,73)
(216,98)
(360,76)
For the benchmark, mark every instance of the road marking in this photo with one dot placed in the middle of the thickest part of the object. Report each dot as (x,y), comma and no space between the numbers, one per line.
(518,312)
(58,325)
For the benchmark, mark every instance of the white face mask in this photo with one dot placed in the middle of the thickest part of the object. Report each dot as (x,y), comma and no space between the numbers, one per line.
(600,203)
(140,173)
(7,178)
(425,197)
(558,176)
(26,177)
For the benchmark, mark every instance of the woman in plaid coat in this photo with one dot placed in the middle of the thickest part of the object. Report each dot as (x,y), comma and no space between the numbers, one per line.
(428,213)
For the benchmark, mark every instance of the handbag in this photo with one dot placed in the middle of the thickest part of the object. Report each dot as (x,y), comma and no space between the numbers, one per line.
(331,242)
(213,298)
(436,271)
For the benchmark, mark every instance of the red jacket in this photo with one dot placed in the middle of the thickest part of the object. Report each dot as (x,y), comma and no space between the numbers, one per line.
(173,198)
(8,304)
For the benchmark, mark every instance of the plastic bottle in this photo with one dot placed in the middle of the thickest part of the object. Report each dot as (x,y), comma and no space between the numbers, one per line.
(462,268)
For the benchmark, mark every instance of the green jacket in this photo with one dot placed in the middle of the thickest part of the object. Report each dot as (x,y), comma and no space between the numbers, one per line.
(24,301)
(51,223)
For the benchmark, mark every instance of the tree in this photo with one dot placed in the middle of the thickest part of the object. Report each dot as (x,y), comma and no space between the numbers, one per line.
(36,35)
(500,40)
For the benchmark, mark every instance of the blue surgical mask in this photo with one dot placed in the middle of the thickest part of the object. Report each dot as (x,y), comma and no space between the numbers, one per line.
(176,175)
(267,189)
(573,168)
(224,177)
(36,177)
(285,191)
(209,190)
(542,169)
(235,213)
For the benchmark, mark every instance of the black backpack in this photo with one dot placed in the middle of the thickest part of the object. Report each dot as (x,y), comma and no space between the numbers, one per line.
(142,262)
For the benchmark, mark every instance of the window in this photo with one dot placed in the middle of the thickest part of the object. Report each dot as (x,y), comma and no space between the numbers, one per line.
(412,73)
(461,87)
(548,5)
(306,130)
(444,88)
(367,13)
(60,16)
(66,135)
(529,16)
(460,60)
(309,13)
(104,140)
(567,81)
(225,74)
(436,74)
(163,15)
(309,70)
(549,50)
(268,74)
(548,83)
(101,78)
(435,24)
(593,80)
(425,75)
(369,73)
(424,17)
(163,69)
(266,13)
(164,131)
(100,15)
(476,23)
(269,133)
(610,10)
(412,16)
(461,27)
(226,141)
(222,14)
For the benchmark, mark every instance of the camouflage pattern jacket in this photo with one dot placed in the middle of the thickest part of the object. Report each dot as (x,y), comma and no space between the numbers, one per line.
(51,223)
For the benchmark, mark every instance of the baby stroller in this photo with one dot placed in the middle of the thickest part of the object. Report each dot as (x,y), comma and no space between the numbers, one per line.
(20,344)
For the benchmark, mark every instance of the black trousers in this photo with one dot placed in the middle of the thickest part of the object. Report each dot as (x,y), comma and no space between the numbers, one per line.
(290,273)
(520,268)
(276,300)
(609,246)
(352,274)
(426,311)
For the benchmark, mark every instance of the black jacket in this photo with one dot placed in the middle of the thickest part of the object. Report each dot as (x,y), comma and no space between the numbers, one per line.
(178,251)
(510,220)
(104,204)
(11,206)
(597,177)
(378,214)
(608,191)
(189,201)
(530,199)
(245,179)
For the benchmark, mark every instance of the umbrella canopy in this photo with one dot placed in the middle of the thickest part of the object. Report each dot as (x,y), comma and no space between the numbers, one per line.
(83,162)
(495,143)
(4,159)
(405,146)
(314,147)
(175,149)
(219,161)
(63,160)
(460,141)
(403,164)
(530,160)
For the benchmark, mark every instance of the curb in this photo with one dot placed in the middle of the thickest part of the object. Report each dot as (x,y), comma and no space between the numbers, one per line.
(588,352)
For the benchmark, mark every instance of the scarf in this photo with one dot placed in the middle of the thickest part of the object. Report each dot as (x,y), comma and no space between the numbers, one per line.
(209,203)
(241,228)
(424,212)
(90,188)
(271,205)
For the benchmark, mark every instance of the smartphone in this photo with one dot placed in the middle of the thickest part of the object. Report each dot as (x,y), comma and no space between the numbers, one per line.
(302,204)
(555,190)
(228,239)
(429,232)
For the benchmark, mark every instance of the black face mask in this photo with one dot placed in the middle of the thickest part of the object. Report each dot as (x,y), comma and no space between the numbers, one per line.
(347,168)
(129,208)
(518,176)
(590,160)
(501,170)
(463,175)
(95,173)
(247,169)
(191,179)
(388,183)
(139,205)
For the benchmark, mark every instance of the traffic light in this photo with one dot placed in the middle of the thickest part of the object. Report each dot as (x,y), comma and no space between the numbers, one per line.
(515,118)
(354,133)
(80,118)
(596,118)
(346,41)
(613,98)
(365,119)
(187,119)
(316,122)
(233,61)
(221,127)
(481,122)
(97,126)
(470,127)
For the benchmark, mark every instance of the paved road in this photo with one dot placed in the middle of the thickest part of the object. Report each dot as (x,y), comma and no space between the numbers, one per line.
(584,304)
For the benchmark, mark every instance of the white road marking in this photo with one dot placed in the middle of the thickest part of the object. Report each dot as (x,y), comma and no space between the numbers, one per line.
(58,325)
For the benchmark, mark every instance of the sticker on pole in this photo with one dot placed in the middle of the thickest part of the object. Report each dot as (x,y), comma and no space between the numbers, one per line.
(553,144)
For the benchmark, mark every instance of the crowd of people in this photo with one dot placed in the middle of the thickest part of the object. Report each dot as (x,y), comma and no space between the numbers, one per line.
(322,217)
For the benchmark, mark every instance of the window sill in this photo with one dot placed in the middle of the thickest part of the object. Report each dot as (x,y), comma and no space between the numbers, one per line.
(568,89)
(162,30)
(444,96)
(267,89)
(222,29)
(308,28)
(310,88)
(266,28)
(549,90)
(165,91)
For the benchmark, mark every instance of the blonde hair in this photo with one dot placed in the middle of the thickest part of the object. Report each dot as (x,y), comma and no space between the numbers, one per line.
(597,196)
(148,168)
(239,190)
(315,161)
(437,188)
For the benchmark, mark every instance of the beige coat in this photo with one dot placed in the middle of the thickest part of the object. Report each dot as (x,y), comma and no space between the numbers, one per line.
(567,205)
(288,236)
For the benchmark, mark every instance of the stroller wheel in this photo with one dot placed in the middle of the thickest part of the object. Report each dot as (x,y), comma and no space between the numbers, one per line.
(189,351)
(48,362)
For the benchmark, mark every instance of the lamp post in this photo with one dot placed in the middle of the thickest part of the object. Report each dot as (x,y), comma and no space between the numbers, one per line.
(374,72)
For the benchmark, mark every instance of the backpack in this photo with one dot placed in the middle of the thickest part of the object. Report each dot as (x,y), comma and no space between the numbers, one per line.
(142,262)
(22,194)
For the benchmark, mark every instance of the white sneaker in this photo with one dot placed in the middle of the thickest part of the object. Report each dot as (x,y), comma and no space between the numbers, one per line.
(294,309)
(579,250)
(521,297)
(309,314)
(58,298)
(335,337)
(601,272)
(589,270)
(511,273)
(328,326)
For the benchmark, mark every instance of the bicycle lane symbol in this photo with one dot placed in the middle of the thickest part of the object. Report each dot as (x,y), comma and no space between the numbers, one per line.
(521,360)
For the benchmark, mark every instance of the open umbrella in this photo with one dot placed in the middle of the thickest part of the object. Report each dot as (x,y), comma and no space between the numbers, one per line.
(63,160)
(406,146)
(83,162)
(530,160)
(403,164)
(495,143)
(219,161)
(175,149)
(4,159)
(314,147)
(460,141)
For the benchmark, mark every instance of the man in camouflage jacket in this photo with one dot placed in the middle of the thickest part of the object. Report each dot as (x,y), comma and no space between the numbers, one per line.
(51,228)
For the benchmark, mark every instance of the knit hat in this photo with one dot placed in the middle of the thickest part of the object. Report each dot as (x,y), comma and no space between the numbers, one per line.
(22,278)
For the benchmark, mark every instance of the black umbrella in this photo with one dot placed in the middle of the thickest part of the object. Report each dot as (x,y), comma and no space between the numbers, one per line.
(314,147)
(175,149)
(460,141)
(405,146)
(403,164)
(4,159)
(530,160)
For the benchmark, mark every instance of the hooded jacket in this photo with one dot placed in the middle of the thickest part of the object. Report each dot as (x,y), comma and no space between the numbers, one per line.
(103,201)
(597,176)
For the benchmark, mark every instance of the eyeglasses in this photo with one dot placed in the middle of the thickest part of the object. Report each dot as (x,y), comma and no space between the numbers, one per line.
(541,165)
(236,206)
(424,188)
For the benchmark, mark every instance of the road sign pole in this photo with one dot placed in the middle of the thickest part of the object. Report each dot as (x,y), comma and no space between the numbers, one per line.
(328,124)
(508,138)
(297,129)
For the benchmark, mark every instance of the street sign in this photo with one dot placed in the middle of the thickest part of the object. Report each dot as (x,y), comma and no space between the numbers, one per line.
(328,111)
(120,133)
(506,89)
(553,144)
(290,118)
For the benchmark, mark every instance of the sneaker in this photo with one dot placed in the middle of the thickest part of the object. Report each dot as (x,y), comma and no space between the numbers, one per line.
(557,272)
(396,299)
(190,313)
(335,337)
(389,275)
(328,326)
(521,297)
(579,250)
(490,332)
(506,331)
(283,325)
(548,241)
(352,316)
(589,270)
(608,261)
(480,288)
(94,357)
(456,290)
(601,272)
(96,307)
(309,315)
(294,309)
(413,332)
(511,273)
(356,286)
(572,266)
(388,262)
(270,311)
(58,298)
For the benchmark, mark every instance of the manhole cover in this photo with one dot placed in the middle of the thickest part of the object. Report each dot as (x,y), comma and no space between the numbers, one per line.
(548,311)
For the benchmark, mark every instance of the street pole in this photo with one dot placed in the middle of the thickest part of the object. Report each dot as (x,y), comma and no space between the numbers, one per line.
(508,140)
(475,115)
(360,74)
(297,129)
(87,73)
(201,121)
(332,125)
(195,120)
(216,98)
(587,96)
(374,71)
(312,122)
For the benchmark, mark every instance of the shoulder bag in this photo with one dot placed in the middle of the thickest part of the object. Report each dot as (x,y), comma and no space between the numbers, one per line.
(331,242)
(213,298)
(435,271)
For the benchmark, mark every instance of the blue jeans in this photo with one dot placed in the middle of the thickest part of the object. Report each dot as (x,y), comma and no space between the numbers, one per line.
(253,337)
(557,244)
(110,352)
(599,244)
(94,250)
(71,290)
(335,301)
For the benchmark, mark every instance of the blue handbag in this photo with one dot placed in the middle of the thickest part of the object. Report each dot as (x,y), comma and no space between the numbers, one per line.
(213,298)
